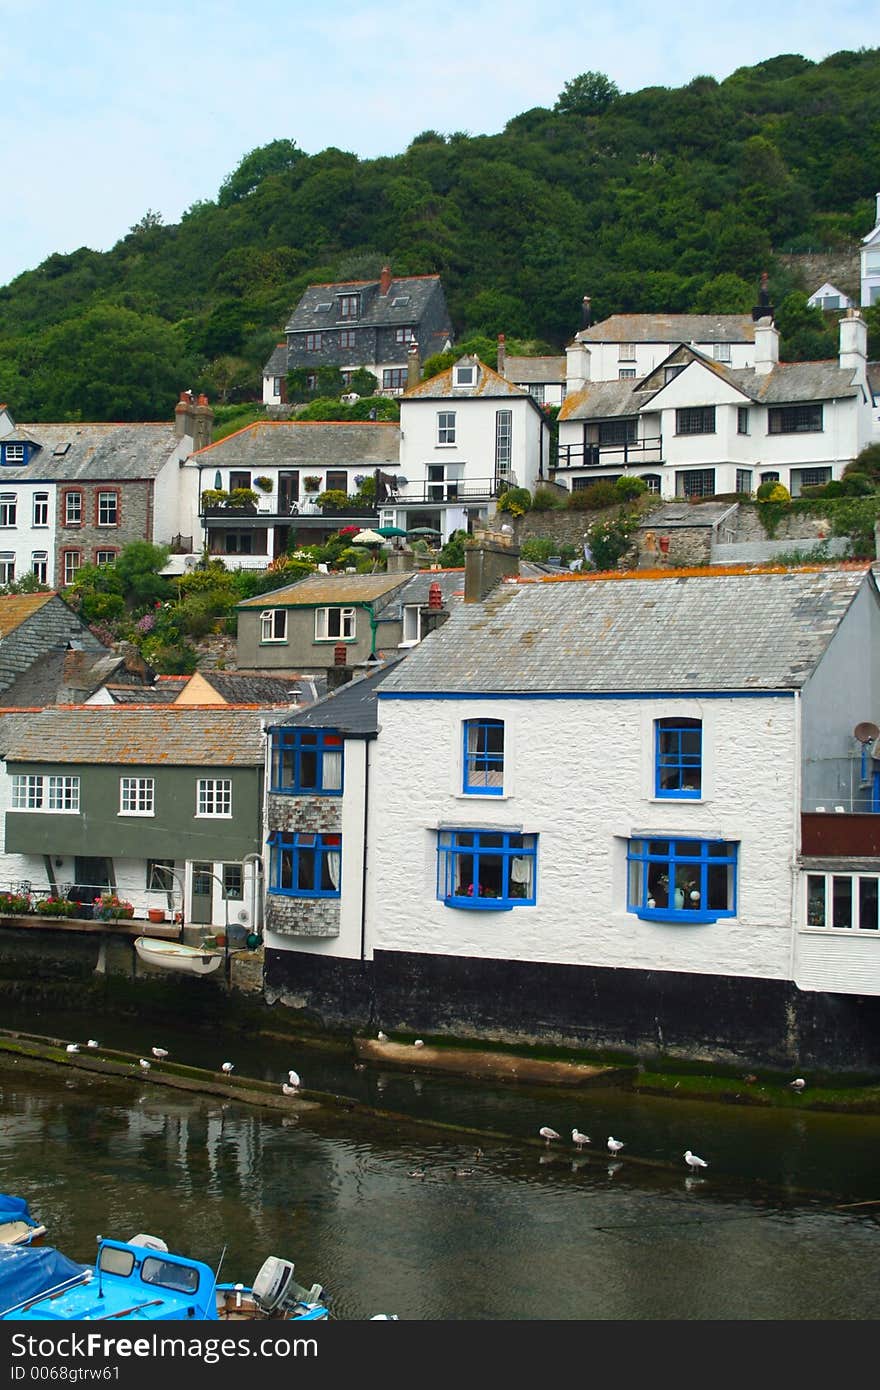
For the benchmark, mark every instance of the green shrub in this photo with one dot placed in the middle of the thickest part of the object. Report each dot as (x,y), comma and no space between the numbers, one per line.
(609,539)
(335,500)
(546,500)
(242,497)
(589,499)
(452,554)
(773,492)
(538,549)
(868,462)
(856,485)
(628,487)
(516,501)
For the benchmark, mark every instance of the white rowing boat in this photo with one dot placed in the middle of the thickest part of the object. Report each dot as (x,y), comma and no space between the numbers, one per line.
(174,955)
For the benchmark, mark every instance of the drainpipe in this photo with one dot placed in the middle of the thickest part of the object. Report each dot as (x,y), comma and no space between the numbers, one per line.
(367,743)
(256,898)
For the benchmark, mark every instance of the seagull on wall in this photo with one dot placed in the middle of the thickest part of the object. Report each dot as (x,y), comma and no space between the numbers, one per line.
(694,1163)
(159,1052)
(615,1145)
(381,1037)
(293,1078)
(72,1047)
(580,1139)
(797,1085)
(228,1067)
(418,1043)
(144,1064)
(289,1090)
(93,1042)
(548,1134)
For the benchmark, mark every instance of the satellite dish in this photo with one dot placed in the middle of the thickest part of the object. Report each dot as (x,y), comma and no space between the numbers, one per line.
(866,732)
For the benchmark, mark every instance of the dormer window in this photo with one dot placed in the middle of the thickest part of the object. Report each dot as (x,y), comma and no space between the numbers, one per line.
(464,376)
(349,306)
(13,453)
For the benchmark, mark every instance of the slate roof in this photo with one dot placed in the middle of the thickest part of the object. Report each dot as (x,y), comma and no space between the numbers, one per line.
(62,677)
(377,310)
(101,451)
(351,708)
(489,384)
(415,590)
(671,328)
(531,370)
(300,443)
(164,692)
(181,735)
(277,364)
(34,625)
(785,384)
(755,631)
(683,514)
(327,588)
(16,608)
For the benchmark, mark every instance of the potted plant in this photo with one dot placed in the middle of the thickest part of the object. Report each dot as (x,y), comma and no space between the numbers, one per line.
(311,483)
(14,904)
(242,498)
(264,483)
(108,907)
(57,907)
(214,497)
(156,914)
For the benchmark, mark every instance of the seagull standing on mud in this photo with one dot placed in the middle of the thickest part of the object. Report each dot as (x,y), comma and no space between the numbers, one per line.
(615,1145)
(228,1067)
(694,1163)
(547,1134)
(159,1052)
(579,1139)
(144,1064)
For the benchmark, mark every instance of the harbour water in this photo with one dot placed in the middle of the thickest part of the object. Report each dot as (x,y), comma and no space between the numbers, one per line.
(396,1215)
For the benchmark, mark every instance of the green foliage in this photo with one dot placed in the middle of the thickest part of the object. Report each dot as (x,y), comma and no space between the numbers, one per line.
(385,408)
(279,157)
(546,500)
(452,554)
(137,569)
(516,501)
(867,463)
(629,487)
(363,382)
(773,492)
(540,548)
(591,499)
(242,497)
(334,499)
(264,483)
(803,334)
(587,95)
(856,485)
(609,538)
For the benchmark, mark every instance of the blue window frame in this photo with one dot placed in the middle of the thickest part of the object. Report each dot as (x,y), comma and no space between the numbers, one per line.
(306,760)
(484,757)
(678,757)
(304,865)
(682,880)
(486,870)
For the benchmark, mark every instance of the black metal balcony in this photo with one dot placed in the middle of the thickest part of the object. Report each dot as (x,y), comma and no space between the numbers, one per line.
(451,492)
(627,454)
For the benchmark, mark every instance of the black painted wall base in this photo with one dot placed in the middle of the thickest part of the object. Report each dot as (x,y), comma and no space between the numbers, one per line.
(720,1018)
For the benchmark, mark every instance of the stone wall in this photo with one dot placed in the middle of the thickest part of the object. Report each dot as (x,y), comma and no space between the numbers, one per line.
(840,268)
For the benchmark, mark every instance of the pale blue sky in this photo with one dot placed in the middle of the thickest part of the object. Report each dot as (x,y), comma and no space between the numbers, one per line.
(110,108)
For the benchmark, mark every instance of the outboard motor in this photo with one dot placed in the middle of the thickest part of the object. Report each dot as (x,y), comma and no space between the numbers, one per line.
(276,1290)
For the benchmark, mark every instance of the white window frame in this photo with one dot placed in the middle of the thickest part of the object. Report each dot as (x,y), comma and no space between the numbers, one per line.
(411,619)
(345,619)
(137,796)
(8,509)
(503,442)
(721,352)
(626,352)
(7,566)
(14,453)
(465,376)
(108,503)
(828,913)
(40,565)
(73,508)
(71,570)
(445,428)
(62,794)
(27,792)
(41,509)
(214,798)
(271,620)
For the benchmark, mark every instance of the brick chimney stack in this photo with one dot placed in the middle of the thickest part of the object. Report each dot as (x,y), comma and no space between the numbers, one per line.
(502,355)
(385,280)
(433,614)
(488,558)
(339,674)
(184,416)
(203,423)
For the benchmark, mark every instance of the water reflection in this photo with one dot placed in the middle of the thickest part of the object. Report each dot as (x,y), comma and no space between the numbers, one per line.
(395,1217)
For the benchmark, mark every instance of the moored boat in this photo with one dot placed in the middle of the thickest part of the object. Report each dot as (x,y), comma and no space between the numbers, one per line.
(141,1279)
(174,955)
(17,1226)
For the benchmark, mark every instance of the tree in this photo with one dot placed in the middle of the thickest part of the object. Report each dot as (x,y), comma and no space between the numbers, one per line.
(275,158)
(587,95)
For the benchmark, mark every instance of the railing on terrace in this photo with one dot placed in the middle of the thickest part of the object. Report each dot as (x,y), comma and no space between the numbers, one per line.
(268,510)
(452,490)
(23,896)
(623,455)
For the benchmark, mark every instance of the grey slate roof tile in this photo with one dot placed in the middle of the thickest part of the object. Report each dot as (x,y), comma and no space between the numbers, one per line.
(180,735)
(97,451)
(351,709)
(301,443)
(671,328)
(377,310)
(763,631)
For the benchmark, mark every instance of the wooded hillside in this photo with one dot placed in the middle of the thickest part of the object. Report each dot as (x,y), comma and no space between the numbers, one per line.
(662,199)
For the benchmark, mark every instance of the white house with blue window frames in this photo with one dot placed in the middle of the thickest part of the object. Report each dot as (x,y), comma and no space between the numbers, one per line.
(585,814)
